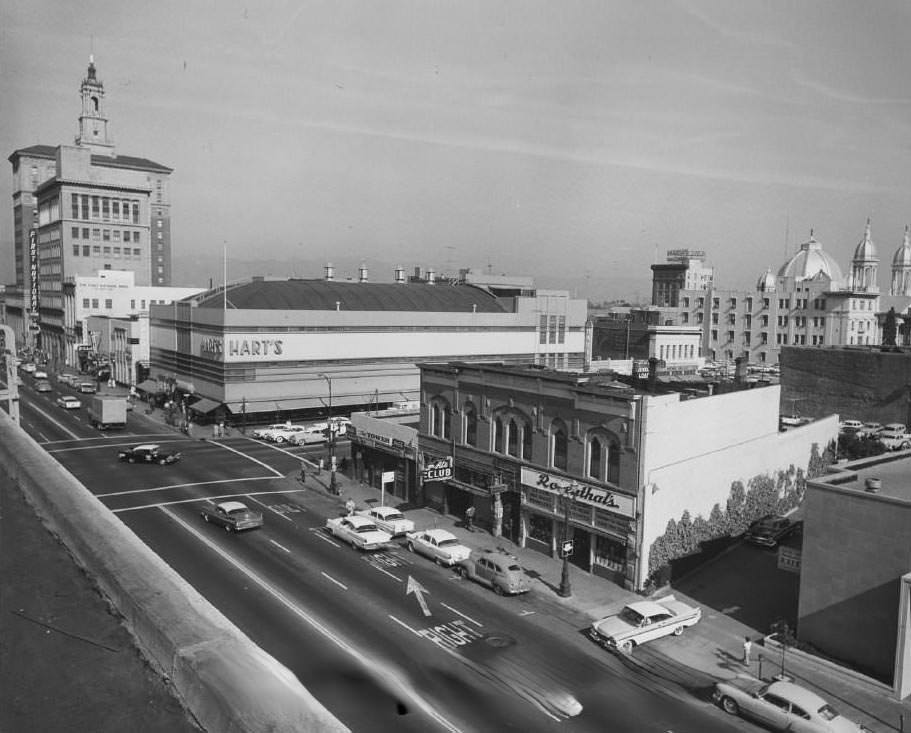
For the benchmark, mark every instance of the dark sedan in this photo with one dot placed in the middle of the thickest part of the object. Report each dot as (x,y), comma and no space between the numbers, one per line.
(234,516)
(147,453)
(770,530)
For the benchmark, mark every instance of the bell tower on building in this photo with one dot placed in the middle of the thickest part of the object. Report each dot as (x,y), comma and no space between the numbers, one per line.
(93,125)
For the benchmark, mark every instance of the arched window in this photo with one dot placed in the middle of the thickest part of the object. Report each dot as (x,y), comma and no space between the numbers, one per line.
(95,104)
(439,418)
(512,438)
(559,445)
(595,462)
(470,423)
(498,435)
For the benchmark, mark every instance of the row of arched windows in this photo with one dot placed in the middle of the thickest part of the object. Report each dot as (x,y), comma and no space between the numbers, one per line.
(512,435)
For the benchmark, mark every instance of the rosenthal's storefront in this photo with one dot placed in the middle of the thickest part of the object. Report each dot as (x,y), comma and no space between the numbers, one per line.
(601,523)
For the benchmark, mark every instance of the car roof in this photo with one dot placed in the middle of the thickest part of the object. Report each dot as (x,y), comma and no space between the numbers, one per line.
(440,534)
(148,446)
(647,608)
(232,506)
(384,511)
(69,398)
(797,694)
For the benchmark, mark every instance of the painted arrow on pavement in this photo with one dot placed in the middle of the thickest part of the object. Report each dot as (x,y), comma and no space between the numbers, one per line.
(418,590)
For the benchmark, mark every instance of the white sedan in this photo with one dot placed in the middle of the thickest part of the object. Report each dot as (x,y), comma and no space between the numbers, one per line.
(439,545)
(359,532)
(284,434)
(644,621)
(68,402)
(389,519)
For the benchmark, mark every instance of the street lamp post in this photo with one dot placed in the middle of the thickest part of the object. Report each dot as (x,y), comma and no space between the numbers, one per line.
(565,590)
(332,484)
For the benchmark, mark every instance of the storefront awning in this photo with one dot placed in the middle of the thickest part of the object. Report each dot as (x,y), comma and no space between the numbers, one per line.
(150,385)
(205,406)
(302,403)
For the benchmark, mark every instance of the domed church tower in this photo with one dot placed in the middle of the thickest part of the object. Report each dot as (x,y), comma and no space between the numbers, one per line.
(93,124)
(901,268)
(864,265)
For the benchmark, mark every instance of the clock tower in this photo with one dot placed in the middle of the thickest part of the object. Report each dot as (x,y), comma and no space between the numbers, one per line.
(93,125)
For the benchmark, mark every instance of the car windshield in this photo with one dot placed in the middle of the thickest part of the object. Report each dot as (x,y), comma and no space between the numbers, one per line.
(237,510)
(448,543)
(827,712)
(367,528)
(632,617)
(394,515)
(514,568)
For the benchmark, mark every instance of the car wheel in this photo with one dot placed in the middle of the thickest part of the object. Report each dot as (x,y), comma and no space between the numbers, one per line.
(627,646)
(161,461)
(205,518)
(131,460)
(678,631)
(228,528)
(463,571)
(730,706)
(498,589)
(438,561)
(904,446)
(279,440)
(411,547)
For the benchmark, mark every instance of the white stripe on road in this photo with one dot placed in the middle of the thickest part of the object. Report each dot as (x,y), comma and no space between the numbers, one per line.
(211,499)
(329,577)
(182,486)
(467,618)
(269,507)
(379,671)
(58,424)
(397,580)
(142,435)
(282,547)
(318,532)
(402,623)
(255,460)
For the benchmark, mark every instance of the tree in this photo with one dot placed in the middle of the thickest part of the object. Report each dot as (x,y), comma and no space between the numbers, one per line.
(889,328)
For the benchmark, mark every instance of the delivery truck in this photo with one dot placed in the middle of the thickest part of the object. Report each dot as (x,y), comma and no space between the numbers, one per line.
(108,412)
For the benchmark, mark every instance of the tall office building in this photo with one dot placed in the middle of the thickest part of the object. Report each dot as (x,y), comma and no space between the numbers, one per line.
(78,209)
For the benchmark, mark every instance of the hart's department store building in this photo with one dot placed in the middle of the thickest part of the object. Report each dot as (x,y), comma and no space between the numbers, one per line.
(270,348)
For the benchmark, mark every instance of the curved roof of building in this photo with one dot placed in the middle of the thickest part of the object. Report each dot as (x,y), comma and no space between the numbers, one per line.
(767,282)
(902,257)
(262,294)
(809,261)
(866,250)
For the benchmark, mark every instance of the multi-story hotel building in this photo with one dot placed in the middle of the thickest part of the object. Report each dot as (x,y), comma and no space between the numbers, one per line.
(78,209)
(807,303)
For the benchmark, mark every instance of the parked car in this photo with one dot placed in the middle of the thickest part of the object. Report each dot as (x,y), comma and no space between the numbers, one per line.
(234,516)
(68,402)
(43,386)
(147,453)
(789,420)
(439,545)
(308,437)
(644,621)
(496,570)
(39,374)
(869,430)
(87,387)
(284,434)
(263,432)
(782,706)
(28,367)
(65,378)
(894,439)
(389,519)
(850,426)
(896,426)
(359,532)
(769,530)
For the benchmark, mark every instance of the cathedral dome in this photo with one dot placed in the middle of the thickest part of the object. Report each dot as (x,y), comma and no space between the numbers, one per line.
(866,250)
(809,261)
(902,256)
(767,282)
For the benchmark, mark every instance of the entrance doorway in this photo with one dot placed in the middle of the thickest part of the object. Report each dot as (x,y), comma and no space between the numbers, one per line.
(581,556)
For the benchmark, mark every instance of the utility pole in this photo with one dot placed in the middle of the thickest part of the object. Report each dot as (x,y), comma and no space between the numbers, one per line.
(566,549)
(332,484)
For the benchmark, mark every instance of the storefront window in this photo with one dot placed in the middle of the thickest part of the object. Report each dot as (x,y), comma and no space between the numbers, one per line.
(540,528)
(610,553)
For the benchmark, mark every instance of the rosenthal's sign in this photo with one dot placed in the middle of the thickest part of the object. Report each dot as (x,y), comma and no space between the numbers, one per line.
(585,493)
(438,471)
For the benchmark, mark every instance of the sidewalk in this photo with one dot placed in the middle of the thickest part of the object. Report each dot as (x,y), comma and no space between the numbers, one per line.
(705,653)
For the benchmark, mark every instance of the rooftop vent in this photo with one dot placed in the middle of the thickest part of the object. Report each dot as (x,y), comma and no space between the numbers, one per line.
(330,271)
(399,274)
(873,485)
(362,273)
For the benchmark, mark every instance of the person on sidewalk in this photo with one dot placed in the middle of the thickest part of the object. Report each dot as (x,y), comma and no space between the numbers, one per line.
(747,646)
(469,518)
(303,473)
(349,506)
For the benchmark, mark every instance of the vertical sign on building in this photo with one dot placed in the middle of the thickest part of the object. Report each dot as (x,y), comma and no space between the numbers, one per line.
(33,268)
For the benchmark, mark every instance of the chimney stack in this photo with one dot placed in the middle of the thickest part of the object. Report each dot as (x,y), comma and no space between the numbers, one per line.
(399,274)
(362,273)
(330,271)
(431,276)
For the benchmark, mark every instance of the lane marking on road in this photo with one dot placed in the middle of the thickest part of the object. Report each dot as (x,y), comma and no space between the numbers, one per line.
(526,613)
(281,547)
(251,458)
(51,418)
(402,623)
(379,671)
(107,438)
(329,577)
(122,432)
(372,564)
(41,435)
(271,509)
(183,486)
(318,532)
(162,504)
(467,618)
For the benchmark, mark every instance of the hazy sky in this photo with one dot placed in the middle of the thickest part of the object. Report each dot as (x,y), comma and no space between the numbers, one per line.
(563,140)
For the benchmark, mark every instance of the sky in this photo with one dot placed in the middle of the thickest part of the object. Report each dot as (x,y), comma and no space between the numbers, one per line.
(571,141)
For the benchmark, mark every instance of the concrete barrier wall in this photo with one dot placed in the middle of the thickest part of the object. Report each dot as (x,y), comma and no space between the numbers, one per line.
(225,680)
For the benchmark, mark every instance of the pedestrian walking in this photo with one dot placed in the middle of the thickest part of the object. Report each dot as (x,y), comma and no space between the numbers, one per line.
(214,430)
(349,506)
(747,646)
(303,474)
(221,429)
(469,518)
(319,467)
